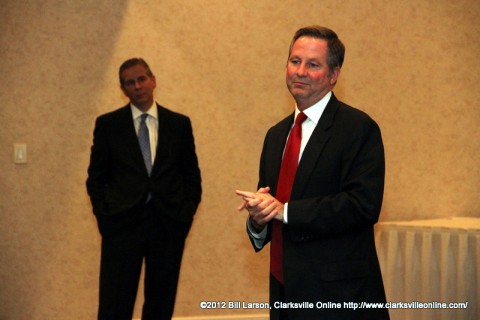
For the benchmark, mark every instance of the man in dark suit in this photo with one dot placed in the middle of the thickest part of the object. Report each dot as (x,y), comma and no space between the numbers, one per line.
(145,186)
(320,224)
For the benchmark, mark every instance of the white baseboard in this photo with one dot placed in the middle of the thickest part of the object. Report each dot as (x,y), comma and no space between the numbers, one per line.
(237,317)
(233,317)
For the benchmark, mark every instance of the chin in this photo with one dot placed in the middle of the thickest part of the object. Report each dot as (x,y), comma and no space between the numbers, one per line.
(299,94)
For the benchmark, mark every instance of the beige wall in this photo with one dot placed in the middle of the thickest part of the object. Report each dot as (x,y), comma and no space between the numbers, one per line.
(412,65)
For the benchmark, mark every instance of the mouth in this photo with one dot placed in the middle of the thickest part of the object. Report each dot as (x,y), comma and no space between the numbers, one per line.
(299,82)
(140,96)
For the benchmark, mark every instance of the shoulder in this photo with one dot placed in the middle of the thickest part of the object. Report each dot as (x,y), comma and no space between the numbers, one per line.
(117,112)
(284,124)
(115,115)
(351,117)
(174,122)
(171,115)
(353,126)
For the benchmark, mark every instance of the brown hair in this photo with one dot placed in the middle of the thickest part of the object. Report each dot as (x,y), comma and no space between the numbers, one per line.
(336,49)
(133,62)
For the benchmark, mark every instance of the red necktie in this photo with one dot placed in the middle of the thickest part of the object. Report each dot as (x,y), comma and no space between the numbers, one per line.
(284,188)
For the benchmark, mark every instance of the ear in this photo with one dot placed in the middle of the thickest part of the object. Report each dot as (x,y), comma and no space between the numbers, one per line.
(334,75)
(154,81)
(123,89)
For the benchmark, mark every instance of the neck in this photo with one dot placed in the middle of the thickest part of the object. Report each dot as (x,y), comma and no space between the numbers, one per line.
(143,107)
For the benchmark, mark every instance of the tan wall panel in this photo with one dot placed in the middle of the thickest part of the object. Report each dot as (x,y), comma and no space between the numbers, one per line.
(412,66)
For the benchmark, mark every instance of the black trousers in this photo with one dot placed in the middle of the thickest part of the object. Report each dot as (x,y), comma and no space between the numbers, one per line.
(277,294)
(127,241)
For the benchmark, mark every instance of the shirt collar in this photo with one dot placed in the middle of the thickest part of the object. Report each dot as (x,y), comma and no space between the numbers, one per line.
(152,111)
(315,111)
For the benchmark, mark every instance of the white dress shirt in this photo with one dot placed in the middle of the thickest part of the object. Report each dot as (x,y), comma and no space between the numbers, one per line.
(152,125)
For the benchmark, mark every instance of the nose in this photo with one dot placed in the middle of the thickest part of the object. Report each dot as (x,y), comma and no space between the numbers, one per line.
(137,84)
(301,70)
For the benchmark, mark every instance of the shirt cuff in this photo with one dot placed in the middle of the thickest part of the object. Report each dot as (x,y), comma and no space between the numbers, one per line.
(285,213)
(257,237)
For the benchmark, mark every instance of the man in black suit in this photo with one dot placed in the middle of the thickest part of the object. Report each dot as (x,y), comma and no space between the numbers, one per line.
(144,191)
(323,253)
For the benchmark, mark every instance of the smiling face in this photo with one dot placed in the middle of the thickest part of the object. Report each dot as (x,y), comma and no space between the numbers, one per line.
(138,86)
(308,75)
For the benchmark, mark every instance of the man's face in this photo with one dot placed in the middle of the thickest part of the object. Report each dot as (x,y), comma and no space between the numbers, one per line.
(308,75)
(138,86)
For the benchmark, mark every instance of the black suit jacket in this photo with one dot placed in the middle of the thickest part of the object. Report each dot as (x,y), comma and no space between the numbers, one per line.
(118,182)
(329,248)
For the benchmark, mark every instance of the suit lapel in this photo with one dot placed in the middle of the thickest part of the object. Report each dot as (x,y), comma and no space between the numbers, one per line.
(129,136)
(314,147)
(129,133)
(163,139)
(277,148)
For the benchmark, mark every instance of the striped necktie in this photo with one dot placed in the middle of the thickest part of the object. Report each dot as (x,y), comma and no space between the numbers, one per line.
(144,141)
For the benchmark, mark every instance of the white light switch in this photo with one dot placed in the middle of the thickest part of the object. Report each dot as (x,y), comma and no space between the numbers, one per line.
(20,152)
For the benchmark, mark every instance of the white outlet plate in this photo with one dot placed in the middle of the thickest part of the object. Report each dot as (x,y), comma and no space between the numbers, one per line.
(20,153)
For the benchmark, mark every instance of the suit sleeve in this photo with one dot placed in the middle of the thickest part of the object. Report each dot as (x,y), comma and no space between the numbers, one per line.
(259,242)
(191,175)
(97,179)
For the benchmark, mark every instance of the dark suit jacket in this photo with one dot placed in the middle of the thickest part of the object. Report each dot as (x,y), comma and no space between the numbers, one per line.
(118,182)
(329,248)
